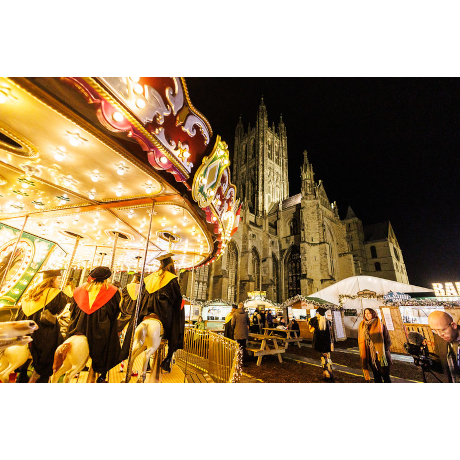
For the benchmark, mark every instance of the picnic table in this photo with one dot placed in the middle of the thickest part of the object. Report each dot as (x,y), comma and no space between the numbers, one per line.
(291,335)
(260,347)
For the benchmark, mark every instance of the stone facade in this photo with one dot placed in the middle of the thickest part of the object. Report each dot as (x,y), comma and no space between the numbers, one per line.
(289,245)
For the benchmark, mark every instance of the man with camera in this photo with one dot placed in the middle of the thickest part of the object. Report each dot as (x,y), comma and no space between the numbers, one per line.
(443,325)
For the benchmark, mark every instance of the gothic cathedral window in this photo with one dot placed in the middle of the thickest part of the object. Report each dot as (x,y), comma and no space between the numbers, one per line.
(293,272)
(373,252)
(201,283)
(232,264)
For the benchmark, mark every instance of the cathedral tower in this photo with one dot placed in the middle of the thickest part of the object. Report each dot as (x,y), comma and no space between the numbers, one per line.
(260,164)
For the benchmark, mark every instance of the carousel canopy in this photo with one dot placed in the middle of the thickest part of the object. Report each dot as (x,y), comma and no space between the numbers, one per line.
(87,162)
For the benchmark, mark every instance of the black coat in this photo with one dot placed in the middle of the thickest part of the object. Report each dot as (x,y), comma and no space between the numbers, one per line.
(166,303)
(100,328)
(127,307)
(321,339)
(46,338)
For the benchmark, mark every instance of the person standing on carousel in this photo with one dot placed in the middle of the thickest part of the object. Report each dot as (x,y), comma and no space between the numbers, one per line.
(161,297)
(46,296)
(128,301)
(94,311)
(323,341)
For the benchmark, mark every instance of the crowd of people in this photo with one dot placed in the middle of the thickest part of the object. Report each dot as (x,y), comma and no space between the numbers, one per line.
(102,312)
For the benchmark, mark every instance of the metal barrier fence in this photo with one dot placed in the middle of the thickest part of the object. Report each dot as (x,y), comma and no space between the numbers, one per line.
(211,353)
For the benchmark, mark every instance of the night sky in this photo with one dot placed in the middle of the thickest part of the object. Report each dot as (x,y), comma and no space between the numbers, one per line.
(385,146)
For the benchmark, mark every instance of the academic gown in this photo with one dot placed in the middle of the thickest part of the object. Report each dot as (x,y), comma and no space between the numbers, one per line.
(128,304)
(46,338)
(98,324)
(165,300)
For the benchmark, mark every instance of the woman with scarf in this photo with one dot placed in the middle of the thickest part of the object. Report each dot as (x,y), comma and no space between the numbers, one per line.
(323,340)
(46,296)
(374,347)
(94,311)
(161,297)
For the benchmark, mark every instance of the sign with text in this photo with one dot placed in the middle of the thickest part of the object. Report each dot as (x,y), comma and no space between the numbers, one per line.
(447,289)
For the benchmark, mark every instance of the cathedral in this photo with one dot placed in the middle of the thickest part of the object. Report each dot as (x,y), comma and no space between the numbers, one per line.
(289,245)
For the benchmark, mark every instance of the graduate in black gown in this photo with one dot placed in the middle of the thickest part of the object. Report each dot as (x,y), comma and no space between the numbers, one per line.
(93,313)
(162,296)
(128,301)
(45,296)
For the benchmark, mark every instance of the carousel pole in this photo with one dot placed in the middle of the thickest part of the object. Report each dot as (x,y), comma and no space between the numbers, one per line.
(67,272)
(94,257)
(103,254)
(14,250)
(82,277)
(190,309)
(138,301)
(113,251)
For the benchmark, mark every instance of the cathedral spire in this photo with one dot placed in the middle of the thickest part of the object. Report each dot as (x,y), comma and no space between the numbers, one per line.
(307,175)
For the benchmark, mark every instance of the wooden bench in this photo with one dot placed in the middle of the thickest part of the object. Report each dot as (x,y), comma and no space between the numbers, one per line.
(291,336)
(259,347)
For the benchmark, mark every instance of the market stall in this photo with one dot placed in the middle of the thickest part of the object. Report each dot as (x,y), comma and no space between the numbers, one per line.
(303,308)
(411,314)
(107,171)
(257,299)
(356,293)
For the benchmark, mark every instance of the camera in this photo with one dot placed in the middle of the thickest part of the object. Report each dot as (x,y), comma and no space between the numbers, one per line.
(418,348)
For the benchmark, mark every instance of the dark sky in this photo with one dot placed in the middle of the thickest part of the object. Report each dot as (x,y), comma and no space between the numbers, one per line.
(387,147)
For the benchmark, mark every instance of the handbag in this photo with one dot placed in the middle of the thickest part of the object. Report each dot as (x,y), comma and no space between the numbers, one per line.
(46,317)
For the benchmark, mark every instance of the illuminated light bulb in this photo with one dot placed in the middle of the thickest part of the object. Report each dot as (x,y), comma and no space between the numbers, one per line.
(118,116)
(163,222)
(92,194)
(214,218)
(24,185)
(95,175)
(186,154)
(74,141)
(175,211)
(138,88)
(140,103)
(19,197)
(135,79)
(211,192)
(2,97)
(163,160)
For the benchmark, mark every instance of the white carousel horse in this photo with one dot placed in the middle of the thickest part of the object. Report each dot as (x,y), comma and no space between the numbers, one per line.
(15,333)
(146,337)
(11,358)
(14,350)
(70,358)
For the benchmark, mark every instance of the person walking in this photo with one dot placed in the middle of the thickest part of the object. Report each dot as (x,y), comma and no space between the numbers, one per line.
(255,321)
(269,319)
(240,324)
(323,341)
(228,328)
(42,304)
(262,321)
(374,347)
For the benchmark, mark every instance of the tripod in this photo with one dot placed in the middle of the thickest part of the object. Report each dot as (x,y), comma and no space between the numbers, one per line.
(425,367)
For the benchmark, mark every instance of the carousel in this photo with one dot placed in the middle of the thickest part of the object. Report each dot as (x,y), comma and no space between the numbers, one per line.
(115,172)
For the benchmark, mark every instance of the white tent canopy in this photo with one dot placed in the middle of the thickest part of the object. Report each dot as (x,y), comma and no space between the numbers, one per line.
(351,286)
(355,284)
